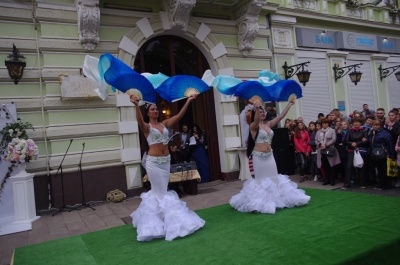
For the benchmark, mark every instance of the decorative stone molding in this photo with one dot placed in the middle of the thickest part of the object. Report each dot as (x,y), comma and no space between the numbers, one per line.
(282,38)
(247,24)
(179,12)
(378,56)
(394,12)
(337,54)
(88,22)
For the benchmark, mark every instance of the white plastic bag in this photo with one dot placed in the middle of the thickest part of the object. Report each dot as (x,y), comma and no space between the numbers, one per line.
(358,161)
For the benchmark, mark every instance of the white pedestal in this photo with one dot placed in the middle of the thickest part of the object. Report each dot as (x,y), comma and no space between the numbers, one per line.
(244,164)
(24,205)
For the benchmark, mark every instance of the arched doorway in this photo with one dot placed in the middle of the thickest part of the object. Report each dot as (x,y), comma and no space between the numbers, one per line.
(172,55)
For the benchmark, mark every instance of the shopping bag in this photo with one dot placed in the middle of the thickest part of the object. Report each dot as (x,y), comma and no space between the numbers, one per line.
(392,167)
(357,160)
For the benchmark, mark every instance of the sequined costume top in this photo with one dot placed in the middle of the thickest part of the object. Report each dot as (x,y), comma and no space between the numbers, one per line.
(264,137)
(156,137)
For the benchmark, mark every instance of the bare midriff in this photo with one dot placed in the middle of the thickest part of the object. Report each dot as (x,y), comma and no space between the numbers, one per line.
(158,150)
(262,147)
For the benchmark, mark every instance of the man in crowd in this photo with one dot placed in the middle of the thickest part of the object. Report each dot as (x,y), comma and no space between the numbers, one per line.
(185,140)
(380,116)
(366,112)
(333,115)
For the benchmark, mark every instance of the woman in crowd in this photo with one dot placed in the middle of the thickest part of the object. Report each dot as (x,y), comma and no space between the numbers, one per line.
(313,161)
(356,140)
(199,154)
(303,150)
(161,213)
(341,146)
(290,127)
(312,131)
(393,125)
(322,176)
(326,138)
(268,190)
(381,138)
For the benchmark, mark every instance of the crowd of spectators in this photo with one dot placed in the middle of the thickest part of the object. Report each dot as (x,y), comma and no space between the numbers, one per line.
(364,132)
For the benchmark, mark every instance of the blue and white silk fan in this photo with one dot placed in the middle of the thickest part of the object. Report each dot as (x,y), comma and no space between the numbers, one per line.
(181,86)
(125,79)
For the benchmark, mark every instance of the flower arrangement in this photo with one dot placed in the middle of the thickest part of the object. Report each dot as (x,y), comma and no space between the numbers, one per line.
(16,147)
(21,150)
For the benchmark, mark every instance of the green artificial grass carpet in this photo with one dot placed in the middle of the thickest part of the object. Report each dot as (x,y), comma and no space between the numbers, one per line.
(334,228)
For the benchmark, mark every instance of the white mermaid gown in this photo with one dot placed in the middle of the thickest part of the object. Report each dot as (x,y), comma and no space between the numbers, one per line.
(269,190)
(161,213)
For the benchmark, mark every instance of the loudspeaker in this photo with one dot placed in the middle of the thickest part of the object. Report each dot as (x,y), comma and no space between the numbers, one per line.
(280,142)
(285,163)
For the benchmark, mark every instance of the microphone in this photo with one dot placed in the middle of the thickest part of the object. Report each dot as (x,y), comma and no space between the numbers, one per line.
(83,144)
(71,140)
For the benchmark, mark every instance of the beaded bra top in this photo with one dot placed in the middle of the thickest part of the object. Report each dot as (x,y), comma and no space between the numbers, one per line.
(264,137)
(156,137)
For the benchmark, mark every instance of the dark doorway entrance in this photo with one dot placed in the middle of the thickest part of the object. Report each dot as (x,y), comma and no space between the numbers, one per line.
(172,55)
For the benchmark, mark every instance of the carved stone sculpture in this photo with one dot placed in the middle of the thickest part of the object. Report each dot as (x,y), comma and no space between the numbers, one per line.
(179,12)
(88,23)
(247,24)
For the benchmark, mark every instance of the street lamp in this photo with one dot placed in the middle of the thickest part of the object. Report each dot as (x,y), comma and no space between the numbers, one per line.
(339,72)
(385,72)
(303,76)
(15,65)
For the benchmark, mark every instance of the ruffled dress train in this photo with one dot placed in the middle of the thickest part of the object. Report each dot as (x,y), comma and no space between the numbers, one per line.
(161,213)
(269,190)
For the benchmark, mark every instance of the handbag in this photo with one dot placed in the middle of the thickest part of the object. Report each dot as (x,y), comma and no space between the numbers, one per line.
(329,151)
(358,160)
(392,167)
(378,153)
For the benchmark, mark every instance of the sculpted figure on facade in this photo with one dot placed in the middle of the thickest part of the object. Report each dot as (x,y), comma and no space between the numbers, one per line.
(179,12)
(247,24)
(88,23)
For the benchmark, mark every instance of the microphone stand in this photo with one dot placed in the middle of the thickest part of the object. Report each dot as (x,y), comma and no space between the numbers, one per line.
(62,184)
(83,204)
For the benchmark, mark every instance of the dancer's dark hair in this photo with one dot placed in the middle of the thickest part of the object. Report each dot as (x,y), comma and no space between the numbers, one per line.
(146,118)
(250,141)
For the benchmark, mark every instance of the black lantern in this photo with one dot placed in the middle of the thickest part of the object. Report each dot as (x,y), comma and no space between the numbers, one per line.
(339,72)
(385,72)
(303,76)
(15,64)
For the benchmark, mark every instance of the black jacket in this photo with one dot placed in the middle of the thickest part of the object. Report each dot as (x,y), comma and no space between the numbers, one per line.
(356,135)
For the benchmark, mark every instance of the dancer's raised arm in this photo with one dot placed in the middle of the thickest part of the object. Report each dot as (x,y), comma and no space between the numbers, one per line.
(142,125)
(254,124)
(278,118)
(171,121)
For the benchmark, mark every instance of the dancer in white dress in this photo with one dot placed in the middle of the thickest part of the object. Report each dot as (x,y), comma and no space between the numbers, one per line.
(161,213)
(268,190)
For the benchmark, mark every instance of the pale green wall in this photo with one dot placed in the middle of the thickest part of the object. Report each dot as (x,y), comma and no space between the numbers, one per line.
(16,30)
(82,116)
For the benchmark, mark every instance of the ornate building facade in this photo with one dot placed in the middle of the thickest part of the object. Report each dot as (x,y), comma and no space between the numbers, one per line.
(229,37)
